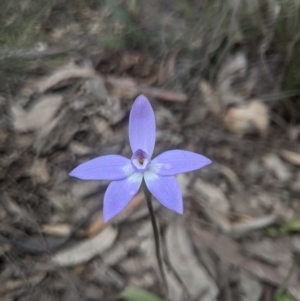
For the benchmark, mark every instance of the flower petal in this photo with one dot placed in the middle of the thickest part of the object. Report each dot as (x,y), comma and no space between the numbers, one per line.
(119,193)
(166,190)
(177,161)
(110,167)
(142,126)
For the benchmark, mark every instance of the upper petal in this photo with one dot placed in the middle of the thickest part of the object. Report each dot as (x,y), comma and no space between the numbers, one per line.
(118,195)
(110,167)
(177,161)
(142,126)
(165,189)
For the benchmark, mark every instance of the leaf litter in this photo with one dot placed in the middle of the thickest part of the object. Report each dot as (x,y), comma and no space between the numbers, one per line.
(72,108)
(194,277)
(86,250)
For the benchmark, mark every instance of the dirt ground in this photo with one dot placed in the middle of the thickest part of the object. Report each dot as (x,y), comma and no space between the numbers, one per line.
(223,80)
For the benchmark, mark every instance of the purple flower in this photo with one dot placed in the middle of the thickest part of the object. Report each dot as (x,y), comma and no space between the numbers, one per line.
(127,174)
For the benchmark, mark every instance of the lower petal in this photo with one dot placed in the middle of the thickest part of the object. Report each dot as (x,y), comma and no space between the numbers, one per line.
(119,193)
(165,189)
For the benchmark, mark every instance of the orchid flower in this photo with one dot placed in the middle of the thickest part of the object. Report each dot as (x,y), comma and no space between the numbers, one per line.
(127,174)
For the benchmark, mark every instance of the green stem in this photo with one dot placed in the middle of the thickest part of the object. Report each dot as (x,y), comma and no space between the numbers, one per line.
(156,238)
(289,275)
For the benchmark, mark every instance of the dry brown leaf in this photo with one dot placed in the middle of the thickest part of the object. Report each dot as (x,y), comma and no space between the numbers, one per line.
(60,230)
(128,60)
(97,225)
(253,224)
(25,281)
(3,213)
(129,88)
(122,87)
(87,249)
(167,69)
(233,69)
(93,292)
(184,181)
(280,170)
(131,265)
(183,260)
(104,275)
(252,117)
(164,95)
(214,202)
(273,251)
(65,73)
(36,118)
(176,290)
(57,133)
(102,127)
(296,183)
(232,177)
(251,289)
(3,136)
(290,156)
(4,248)
(13,209)
(43,133)
(39,171)
(82,189)
(210,97)
(145,280)
(80,148)
(109,105)
(119,251)
(230,252)
(294,133)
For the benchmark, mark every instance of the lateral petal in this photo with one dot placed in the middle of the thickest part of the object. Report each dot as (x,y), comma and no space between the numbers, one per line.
(177,161)
(110,167)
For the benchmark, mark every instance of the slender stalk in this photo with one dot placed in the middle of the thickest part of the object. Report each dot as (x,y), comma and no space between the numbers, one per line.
(156,238)
(291,271)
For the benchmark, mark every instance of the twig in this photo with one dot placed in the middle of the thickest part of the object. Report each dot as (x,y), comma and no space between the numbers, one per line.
(128,83)
(33,53)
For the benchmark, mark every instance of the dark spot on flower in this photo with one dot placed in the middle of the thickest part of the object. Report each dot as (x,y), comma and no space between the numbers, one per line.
(141,160)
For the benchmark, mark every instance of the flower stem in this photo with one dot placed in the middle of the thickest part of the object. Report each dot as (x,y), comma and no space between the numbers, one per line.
(156,238)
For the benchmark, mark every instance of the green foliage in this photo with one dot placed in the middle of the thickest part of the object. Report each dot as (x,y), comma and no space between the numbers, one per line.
(137,294)
(112,42)
(280,296)
(18,27)
(287,35)
(292,225)
(289,226)
(131,29)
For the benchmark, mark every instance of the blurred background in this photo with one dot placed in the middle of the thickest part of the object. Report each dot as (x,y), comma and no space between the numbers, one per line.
(223,78)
